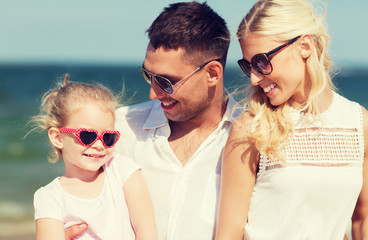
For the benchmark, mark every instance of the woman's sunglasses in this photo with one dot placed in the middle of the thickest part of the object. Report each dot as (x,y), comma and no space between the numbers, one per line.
(262,62)
(163,82)
(88,137)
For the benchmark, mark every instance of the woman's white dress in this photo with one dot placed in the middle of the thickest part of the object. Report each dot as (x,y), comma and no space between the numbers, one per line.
(313,196)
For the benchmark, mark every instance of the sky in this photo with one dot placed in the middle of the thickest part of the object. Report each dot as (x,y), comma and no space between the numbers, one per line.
(113,31)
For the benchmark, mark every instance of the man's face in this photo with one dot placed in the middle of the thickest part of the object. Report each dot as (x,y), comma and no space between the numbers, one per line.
(190,97)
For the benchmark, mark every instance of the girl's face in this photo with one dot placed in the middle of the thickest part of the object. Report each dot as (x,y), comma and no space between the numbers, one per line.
(287,82)
(81,159)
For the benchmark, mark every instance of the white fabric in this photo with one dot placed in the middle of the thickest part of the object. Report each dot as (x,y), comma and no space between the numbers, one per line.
(314,195)
(184,197)
(107,215)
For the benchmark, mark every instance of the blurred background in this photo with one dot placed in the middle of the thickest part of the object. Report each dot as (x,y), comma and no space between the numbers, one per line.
(105,41)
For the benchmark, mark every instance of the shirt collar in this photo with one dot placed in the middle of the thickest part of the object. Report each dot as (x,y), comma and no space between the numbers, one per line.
(157,118)
(233,111)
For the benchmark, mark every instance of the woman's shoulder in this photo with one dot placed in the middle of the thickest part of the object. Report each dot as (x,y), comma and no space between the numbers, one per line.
(364,111)
(344,112)
(243,121)
(241,126)
(340,101)
(365,118)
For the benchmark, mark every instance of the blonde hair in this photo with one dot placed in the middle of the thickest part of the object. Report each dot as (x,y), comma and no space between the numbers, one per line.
(59,103)
(282,20)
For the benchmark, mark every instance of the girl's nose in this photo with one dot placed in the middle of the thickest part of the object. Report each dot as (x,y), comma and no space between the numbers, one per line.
(98,144)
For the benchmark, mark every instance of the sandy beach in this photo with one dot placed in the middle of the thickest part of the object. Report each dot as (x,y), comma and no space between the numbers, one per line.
(23,237)
(17,230)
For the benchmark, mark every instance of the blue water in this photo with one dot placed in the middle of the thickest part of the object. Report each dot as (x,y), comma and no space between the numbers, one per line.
(23,164)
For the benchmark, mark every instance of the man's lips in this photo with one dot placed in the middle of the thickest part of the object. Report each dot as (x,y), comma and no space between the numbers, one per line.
(166,106)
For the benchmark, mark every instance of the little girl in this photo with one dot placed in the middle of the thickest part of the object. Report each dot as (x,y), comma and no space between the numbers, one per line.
(104,190)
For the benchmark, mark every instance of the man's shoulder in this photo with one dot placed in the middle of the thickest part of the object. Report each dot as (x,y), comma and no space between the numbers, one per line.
(133,117)
(136,111)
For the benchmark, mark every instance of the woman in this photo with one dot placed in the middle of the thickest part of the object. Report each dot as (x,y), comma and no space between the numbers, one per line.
(295,164)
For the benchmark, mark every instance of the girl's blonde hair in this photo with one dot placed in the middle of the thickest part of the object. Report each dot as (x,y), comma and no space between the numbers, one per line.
(59,103)
(282,20)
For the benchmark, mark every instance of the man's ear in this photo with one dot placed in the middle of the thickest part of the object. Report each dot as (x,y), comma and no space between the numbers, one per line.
(55,138)
(306,46)
(215,71)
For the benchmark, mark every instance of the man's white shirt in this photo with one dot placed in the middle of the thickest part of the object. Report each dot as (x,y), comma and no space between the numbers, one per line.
(185,197)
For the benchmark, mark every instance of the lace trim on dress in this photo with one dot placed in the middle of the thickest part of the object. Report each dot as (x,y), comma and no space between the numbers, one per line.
(361,135)
(322,147)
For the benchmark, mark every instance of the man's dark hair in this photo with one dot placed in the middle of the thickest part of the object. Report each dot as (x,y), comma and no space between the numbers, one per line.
(193,26)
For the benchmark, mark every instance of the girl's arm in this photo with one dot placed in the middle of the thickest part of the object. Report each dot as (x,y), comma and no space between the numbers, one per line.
(140,207)
(239,166)
(47,228)
(360,216)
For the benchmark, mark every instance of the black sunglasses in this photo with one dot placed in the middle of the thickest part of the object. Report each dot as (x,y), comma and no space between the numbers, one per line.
(163,82)
(88,137)
(261,62)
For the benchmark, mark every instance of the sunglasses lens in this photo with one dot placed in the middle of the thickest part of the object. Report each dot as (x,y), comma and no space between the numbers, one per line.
(87,137)
(262,64)
(245,66)
(110,139)
(164,84)
(145,75)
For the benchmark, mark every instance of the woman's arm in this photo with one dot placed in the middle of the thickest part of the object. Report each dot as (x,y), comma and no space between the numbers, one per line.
(140,207)
(47,228)
(239,166)
(360,216)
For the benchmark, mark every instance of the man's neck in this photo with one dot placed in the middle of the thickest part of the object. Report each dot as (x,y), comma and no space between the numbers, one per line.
(187,136)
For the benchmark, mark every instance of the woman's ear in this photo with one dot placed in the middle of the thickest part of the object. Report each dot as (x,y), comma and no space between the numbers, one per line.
(215,71)
(55,138)
(306,46)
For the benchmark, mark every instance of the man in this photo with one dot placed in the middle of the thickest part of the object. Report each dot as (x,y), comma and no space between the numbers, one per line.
(178,137)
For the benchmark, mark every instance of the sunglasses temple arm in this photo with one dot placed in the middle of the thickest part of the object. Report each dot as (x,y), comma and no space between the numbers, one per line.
(179,86)
(181,83)
(282,46)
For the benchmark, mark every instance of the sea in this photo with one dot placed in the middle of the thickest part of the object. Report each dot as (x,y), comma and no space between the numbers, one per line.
(23,164)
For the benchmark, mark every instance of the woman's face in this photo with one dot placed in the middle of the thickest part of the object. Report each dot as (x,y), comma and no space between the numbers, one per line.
(287,82)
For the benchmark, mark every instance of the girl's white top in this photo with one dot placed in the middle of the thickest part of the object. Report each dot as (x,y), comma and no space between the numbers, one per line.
(107,215)
(313,196)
